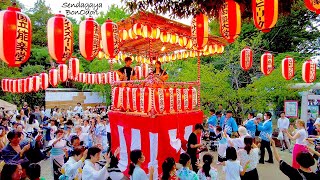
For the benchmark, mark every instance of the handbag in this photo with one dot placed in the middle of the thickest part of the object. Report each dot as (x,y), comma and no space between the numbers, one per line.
(280,136)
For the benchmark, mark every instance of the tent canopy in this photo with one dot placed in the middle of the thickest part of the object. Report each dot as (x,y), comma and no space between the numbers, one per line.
(7,106)
(147,46)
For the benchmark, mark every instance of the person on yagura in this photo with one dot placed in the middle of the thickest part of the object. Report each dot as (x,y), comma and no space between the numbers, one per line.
(160,72)
(127,73)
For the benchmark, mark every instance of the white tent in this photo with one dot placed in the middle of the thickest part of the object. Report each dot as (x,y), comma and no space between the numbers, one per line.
(7,106)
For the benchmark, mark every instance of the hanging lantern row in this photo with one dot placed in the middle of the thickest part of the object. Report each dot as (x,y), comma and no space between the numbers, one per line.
(313,5)
(287,65)
(165,100)
(42,81)
(98,78)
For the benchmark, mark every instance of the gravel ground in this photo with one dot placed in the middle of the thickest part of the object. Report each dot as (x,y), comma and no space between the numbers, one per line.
(266,171)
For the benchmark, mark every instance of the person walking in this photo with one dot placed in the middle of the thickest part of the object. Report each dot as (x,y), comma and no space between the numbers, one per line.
(266,132)
(283,125)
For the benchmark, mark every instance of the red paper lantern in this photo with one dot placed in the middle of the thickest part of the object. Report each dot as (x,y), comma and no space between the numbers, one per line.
(267,63)
(60,38)
(4,83)
(265,14)
(123,35)
(104,78)
(155,33)
(44,78)
(146,31)
(53,77)
(230,20)
(199,31)
(112,76)
(23,85)
(82,77)
(309,71)
(313,5)
(98,78)
(89,38)
(137,29)
(15,35)
(138,72)
(246,59)
(15,86)
(74,68)
(63,72)
(10,85)
(288,68)
(36,83)
(110,38)
(165,37)
(29,85)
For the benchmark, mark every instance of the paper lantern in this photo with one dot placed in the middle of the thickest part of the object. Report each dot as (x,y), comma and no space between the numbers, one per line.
(183,41)
(74,68)
(267,63)
(104,78)
(219,49)
(138,72)
(313,5)
(174,38)
(98,78)
(60,38)
(36,83)
(179,55)
(230,20)
(288,68)
(265,14)
(189,44)
(110,38)
(14,86)
(63,72)
(44,81)
(82,77)
(15,35)
(53,77)
(131,34)
(155,33)
(4,84)
(146,31)
(23,85)
(309,71)
(112,76)
(137,29)
(165,37)
(123,35)
(10,85)
(89,38)
(246,59)
(192,54)
(199,31)
(29,85)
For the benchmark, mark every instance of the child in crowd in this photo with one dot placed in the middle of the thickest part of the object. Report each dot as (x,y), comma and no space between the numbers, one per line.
(232,166)
(207,172)
(222,140)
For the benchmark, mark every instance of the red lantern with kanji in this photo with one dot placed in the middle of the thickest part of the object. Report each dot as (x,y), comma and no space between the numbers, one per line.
(309,71)
(44,78)
(53,77)
(313,5)
(74,68)
(246,59)
(60,38)
(288,68)
(36,83)
(110,38)
(199,31)
(63,72)
(29,85)
(15,35)
(230,20)
(89,38)
(267,63)
(265,14)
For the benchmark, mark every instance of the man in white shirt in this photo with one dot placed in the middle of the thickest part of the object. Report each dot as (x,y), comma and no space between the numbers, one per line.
(78,109)
(283,125)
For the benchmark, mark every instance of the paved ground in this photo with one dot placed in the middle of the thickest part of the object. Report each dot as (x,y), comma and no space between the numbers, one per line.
(266,171)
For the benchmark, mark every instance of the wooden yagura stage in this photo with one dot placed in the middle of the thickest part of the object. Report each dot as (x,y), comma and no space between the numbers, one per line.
(159,137)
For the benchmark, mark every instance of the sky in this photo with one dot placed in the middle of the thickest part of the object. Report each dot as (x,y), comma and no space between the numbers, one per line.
(61,5)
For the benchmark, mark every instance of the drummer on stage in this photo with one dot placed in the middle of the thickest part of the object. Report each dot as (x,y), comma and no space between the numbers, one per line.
(127,73)
(160,72)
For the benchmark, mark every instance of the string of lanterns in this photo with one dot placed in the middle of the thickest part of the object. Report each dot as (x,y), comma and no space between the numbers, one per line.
(287,65)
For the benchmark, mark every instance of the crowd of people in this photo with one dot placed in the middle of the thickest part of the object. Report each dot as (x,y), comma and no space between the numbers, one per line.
(77,142)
